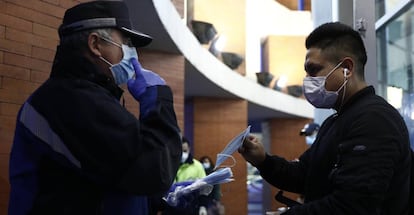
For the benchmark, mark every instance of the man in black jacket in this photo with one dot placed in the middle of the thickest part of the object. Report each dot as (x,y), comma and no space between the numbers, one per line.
(360,161)
(77,150)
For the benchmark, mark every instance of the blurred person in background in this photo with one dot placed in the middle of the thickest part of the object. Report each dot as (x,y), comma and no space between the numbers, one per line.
(212,201)
(310,130)
(190,170)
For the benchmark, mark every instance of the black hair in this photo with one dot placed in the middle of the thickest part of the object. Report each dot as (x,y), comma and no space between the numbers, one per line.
(337,40)
(208,158)
(185,140)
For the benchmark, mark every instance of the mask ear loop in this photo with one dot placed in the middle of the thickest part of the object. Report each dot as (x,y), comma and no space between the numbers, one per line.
(106,61)
(344,89)
(224,166)
(110,41)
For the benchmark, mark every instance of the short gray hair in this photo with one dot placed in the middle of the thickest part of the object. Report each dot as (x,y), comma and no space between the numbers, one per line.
(79,40)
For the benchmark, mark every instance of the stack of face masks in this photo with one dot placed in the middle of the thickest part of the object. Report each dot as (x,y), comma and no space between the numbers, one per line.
(185,192)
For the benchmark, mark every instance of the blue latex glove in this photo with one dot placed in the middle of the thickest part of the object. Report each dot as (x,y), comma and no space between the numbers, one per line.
(143,79)
(181,201)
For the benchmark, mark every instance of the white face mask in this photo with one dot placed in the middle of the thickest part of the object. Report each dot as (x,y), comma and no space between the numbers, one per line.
(310,139)
(184,156)
(122,71)
(206,165)
(316,93)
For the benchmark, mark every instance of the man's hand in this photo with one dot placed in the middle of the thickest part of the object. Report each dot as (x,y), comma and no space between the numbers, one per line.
(143,79)
(252,150)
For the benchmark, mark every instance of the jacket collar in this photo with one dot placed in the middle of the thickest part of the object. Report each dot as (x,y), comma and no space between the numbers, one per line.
(369,90)
(68,64)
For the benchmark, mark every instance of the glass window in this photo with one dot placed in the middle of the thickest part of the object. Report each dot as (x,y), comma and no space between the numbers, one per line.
(384,6)
(395,58)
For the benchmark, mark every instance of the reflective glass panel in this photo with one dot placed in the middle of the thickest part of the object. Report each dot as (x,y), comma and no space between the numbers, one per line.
(395,58)
(384,6)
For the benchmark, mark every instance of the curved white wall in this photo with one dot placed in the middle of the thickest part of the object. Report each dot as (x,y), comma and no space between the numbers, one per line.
(220,74)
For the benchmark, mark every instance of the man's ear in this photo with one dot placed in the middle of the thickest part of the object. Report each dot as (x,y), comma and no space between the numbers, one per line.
(348,65)
(93,44)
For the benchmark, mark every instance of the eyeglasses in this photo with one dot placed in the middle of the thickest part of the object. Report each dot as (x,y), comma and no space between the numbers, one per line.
(125,40)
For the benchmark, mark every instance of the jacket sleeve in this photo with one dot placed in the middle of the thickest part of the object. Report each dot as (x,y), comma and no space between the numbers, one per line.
(368,156)
(159,158)
(115,149)
(284,174)
(290,175)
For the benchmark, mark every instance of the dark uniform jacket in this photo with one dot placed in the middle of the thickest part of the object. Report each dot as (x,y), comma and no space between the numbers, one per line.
(359,164)
(77,150)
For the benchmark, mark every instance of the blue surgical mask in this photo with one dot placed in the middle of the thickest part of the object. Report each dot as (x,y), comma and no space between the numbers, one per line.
(231,147)
(316,93)
(122,71)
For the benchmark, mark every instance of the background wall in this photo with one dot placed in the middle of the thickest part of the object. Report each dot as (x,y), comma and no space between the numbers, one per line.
(228,18)
(283,56)
(217,122)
